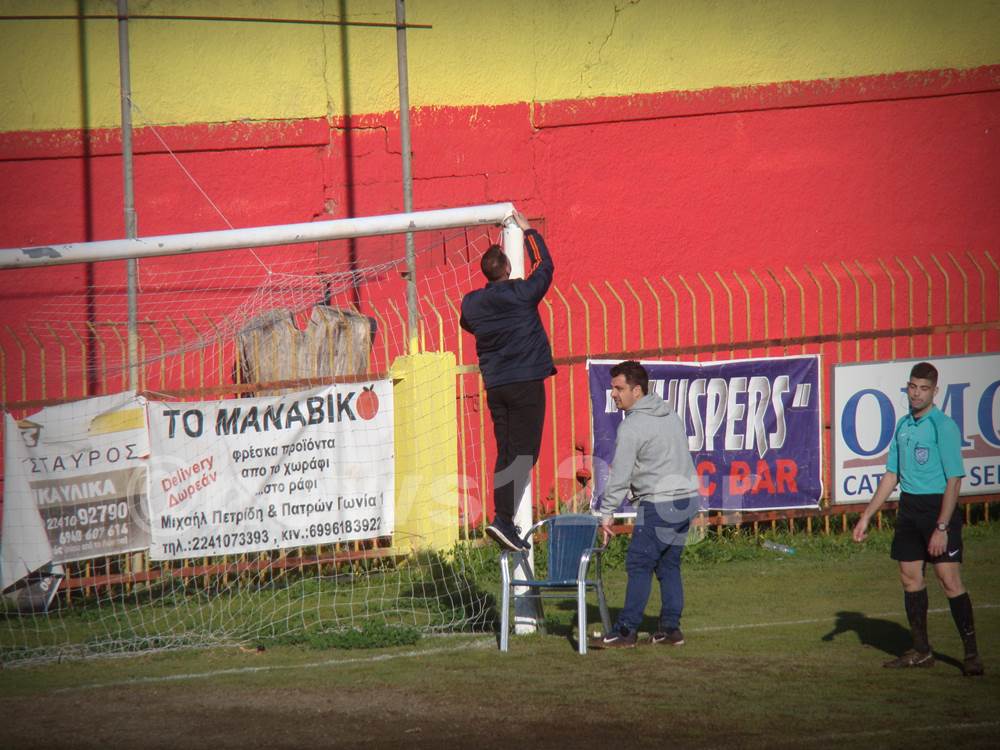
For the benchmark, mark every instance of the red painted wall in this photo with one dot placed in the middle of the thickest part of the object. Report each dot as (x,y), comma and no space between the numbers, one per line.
(768,188)
(665,184)
(759,188)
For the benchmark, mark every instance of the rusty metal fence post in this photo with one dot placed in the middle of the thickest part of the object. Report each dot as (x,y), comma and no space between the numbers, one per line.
(958,291)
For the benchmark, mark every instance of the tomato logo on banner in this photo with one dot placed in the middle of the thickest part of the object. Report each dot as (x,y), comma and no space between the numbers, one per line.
(367,406)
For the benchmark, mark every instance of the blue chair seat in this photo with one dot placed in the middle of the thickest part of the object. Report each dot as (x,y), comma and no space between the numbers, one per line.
(571,539)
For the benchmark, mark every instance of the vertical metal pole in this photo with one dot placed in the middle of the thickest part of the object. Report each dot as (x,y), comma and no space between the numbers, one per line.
(528,616)
(129,192)
(412,313)
(136,561)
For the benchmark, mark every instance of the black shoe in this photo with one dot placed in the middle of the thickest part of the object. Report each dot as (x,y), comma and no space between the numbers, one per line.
(620,638)
(672,637)
(972,666)
(505,534)
(911,658)
(525,541)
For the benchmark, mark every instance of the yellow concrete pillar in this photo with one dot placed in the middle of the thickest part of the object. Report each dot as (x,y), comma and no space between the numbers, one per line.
(426,445)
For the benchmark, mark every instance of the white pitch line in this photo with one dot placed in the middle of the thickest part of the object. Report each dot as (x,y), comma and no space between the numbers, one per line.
(816,620)
(477,644)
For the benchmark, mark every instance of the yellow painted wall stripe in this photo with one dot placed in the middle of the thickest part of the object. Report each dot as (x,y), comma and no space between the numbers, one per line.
(477,53)
(426,444)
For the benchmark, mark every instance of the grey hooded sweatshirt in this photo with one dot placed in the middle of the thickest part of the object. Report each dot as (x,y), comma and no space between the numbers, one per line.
(651,457)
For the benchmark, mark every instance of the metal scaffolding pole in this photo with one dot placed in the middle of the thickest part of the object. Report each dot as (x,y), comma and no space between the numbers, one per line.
(412,313)
(131,228)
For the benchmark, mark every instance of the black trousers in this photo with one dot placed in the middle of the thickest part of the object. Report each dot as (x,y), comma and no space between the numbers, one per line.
(518,411)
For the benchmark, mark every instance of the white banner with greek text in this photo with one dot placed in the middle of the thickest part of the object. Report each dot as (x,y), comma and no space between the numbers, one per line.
(868,400)
(251,474)
(74,483)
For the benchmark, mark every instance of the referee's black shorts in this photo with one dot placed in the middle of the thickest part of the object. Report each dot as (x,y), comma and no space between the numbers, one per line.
(915,522)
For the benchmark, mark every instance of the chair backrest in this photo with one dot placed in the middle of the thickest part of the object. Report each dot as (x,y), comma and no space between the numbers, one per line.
(569,536)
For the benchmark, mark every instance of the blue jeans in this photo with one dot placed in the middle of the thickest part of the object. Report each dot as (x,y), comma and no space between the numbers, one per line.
(657,543)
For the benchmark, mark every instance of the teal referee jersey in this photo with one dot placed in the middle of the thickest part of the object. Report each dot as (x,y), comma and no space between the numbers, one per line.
(926,452)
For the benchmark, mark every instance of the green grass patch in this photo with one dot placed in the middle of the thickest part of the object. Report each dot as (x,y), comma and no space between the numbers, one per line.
(449,593)
(781,651)
(369,635)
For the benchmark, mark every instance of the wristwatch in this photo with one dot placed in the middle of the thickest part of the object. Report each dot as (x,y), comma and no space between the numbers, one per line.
(942,527)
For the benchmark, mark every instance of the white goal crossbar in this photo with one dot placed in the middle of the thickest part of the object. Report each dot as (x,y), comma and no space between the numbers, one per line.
(231,239)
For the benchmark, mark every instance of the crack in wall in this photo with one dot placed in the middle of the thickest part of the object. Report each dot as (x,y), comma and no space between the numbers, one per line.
(461,175)
(587,67)
(329,205)
(27,99)
(360,128)
(326,69)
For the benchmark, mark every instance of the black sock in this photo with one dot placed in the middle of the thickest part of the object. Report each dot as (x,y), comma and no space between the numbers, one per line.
(961,613)
(916,613)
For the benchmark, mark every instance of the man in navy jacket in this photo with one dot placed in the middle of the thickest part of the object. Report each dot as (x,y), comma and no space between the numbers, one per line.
(515,357)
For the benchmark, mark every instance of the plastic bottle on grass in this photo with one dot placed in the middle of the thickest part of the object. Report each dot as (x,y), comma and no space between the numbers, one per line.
(775,547)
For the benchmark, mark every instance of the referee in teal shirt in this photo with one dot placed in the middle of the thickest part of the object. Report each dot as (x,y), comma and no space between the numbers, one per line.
(925,459)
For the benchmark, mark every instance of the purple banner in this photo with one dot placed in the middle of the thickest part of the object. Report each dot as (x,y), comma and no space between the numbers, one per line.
(753,426)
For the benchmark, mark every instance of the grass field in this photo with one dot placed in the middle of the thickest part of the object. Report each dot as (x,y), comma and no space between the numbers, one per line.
(781,651)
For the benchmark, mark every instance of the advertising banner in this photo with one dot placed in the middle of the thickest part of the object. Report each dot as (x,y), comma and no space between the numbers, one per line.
(75,483)
(753,427)
(869,399)
(250,474)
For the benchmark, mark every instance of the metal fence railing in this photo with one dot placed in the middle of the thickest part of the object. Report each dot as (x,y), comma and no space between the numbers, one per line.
(848,311)
(945,304)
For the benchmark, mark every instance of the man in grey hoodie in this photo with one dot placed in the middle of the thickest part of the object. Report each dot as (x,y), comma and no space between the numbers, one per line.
(653,460)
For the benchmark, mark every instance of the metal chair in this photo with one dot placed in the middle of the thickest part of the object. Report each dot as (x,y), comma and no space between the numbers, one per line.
(571,539)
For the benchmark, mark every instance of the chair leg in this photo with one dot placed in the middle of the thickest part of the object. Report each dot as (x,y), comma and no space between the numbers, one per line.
(527,607)
(581,615)
(602,604)
(505,602)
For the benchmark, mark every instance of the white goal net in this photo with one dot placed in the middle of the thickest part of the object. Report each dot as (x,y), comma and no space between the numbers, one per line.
(268,481)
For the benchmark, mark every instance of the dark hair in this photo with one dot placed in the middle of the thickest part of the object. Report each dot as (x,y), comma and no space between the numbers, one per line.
(925,371)
(635,374)
(494,263)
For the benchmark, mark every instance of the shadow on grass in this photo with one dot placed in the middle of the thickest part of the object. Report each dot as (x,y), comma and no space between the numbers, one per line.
(885,635)
(454,596)
(649,624)
(565,627)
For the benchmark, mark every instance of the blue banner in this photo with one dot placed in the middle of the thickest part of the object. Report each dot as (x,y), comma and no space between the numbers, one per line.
(754,428)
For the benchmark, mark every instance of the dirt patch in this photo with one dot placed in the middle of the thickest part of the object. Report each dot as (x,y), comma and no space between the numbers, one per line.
(310,716)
